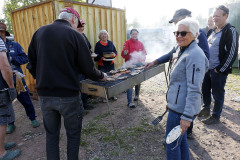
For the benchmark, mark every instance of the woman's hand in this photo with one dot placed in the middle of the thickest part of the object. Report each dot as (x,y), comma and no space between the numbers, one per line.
(114,55)
(184,125)
(149,65)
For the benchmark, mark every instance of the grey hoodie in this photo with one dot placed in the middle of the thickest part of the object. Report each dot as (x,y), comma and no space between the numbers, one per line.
(184,92)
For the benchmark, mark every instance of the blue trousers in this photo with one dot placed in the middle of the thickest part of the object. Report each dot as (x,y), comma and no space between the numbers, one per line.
(71,109)
(181,152)
(130,91)
(214,83)
(25,100)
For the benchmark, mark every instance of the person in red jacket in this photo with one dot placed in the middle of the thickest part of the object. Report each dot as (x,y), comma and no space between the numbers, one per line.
(133,53)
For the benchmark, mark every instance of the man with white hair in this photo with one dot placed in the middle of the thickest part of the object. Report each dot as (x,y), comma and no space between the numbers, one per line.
(57,54)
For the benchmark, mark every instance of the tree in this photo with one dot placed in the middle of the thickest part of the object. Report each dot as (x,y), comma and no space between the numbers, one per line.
(12,5)
(134,24)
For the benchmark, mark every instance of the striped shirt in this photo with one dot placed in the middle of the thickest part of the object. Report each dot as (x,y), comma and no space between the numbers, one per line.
(2,46)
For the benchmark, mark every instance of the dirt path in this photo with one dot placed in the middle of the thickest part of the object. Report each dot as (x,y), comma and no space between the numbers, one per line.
(137,138)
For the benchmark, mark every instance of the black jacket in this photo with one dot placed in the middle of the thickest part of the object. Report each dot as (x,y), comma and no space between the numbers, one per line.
(57,54)
(88,43)
(228,48)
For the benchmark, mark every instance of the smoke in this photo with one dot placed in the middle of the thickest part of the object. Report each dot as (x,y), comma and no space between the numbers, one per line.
(136,57)
(157,42)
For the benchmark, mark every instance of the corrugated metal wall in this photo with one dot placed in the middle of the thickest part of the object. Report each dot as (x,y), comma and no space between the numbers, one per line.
(28,19)
(25,22)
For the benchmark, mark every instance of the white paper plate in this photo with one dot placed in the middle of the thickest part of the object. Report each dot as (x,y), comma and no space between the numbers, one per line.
(93,55)
(174,134)
(107,59)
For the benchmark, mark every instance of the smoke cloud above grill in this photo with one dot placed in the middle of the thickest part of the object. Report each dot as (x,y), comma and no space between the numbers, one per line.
(136,57)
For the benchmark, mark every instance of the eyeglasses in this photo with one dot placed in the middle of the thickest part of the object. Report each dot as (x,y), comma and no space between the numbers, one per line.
(183,33)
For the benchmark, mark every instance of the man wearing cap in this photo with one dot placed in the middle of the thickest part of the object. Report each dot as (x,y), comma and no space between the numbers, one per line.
(7,94)
(57,54)
(202,43)
(223,43)
(18,58)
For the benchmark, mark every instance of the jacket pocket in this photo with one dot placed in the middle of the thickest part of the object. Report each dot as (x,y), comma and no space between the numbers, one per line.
(177,93)
(193,73)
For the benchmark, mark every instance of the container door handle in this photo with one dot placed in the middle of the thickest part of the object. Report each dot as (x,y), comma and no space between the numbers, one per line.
(92,89)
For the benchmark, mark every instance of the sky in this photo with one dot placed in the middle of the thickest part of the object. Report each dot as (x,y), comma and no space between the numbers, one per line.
(147,11)
(1,9)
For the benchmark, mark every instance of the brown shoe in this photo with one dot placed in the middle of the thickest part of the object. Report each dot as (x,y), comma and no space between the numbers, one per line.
(211,120)
(205,112)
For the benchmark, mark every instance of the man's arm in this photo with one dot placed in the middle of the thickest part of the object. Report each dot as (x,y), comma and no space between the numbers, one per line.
(203,43)
(85,62)
(19,57)
(232,49)
(6,70)
(163,59)
(32,58)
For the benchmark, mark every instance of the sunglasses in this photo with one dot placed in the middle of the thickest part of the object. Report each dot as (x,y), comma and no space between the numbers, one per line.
(183,33)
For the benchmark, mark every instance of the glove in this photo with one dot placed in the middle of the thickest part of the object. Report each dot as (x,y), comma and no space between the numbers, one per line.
(12,93)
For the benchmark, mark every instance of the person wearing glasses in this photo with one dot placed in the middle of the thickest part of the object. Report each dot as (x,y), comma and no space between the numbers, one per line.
(202,43)
(223,43)
(184,91)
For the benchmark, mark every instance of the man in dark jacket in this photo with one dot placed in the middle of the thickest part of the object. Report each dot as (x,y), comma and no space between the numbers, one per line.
(57,54)
(18,58)
(6,108)
(223,43)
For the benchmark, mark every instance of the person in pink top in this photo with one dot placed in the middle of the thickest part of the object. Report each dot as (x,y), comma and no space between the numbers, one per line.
(134,53)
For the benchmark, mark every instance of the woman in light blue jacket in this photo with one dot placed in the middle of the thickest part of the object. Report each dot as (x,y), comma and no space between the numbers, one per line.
(184,92)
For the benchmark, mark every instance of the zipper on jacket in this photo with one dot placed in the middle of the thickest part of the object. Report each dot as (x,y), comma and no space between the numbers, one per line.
(193,73)
(178,93)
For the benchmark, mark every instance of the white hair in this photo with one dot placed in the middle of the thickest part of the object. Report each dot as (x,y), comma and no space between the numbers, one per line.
(192,24)
(66,15)
(101,32)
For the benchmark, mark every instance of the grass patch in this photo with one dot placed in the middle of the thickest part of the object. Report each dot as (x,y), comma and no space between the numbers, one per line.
(26,134)
(84,143)
(114,153)
(94,128)
(233,81)
(101,116)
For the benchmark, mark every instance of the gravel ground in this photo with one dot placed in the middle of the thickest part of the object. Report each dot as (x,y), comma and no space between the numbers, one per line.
(133,136)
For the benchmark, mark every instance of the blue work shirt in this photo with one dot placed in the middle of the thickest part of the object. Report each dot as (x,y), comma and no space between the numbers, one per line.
(18,56)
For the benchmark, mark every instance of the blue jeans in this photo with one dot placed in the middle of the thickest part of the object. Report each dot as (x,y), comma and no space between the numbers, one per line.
(181,152)
(130,91)
(72,111)
(215,82)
